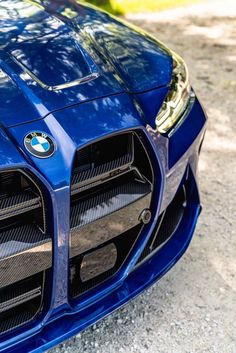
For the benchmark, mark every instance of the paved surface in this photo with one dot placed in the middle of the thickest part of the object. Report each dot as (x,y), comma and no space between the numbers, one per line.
(193,308)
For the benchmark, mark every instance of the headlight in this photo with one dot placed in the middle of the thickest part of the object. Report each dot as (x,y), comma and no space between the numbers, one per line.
(177,98)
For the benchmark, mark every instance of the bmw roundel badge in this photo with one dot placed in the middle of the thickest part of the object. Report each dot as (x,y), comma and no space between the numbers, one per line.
(39,144)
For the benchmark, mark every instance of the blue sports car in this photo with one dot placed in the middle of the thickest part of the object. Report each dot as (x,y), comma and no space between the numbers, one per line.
(100,137)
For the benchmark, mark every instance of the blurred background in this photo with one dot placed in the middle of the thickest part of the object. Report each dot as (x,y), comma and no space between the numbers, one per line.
(134,6)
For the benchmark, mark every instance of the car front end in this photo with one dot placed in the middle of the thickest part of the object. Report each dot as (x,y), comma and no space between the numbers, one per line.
(100,138)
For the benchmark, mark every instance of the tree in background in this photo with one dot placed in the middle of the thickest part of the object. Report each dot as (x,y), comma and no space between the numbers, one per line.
(106,5)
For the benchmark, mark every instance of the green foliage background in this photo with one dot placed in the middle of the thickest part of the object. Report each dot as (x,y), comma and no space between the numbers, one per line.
(131,6)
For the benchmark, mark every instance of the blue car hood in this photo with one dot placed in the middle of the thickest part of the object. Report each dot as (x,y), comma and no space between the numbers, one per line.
(60,53)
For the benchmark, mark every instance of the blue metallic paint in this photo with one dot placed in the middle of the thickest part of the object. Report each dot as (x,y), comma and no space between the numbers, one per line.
(58,330)
(122,98)
(98,38)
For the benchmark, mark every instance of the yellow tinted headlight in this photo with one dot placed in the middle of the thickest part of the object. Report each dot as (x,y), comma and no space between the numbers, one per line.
(177,98)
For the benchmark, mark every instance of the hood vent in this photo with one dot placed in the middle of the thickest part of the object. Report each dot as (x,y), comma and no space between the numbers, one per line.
(55,61)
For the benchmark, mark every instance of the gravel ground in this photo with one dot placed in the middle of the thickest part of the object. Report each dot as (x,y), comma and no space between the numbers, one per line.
(193,308)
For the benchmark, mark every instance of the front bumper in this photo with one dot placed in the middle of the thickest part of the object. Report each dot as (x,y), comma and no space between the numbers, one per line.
(177,154)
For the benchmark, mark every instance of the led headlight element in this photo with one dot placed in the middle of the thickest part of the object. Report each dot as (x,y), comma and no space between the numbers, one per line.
(177,98)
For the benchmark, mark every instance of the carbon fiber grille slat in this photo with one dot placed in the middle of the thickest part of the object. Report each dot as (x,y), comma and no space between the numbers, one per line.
(20,203)
(20,302)
(108,202)
(101,169)
(99,160)
(24,251)
(107,228)
(20,299)
(20,318)
(17,290)
(18,239)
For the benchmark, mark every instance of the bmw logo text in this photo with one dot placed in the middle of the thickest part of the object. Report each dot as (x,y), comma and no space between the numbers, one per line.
(39,144)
